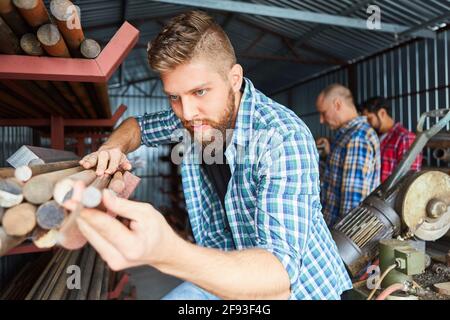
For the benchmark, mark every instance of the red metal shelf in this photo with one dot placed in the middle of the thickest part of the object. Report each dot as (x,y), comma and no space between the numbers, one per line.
(63,69)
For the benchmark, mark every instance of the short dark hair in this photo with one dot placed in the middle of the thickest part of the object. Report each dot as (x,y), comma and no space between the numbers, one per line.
(375,104)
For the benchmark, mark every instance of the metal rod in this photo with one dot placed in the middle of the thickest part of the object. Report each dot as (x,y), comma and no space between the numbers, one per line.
(33,11)
(52,41)
(39,189)
(12,18)
(68,21)
(19,220)
(25,173)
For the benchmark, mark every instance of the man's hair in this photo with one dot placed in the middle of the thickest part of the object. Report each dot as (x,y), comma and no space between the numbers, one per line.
(337,90)
(375,104)
(187,36)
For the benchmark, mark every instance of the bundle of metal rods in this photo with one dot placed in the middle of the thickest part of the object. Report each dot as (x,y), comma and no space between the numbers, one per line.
(66,275)
(27,27)
(31,199)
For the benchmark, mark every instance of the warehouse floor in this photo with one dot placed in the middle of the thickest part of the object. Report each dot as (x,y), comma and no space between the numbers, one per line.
(150,283)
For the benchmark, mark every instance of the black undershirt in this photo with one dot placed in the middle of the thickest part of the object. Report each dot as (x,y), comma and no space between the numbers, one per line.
(219,175)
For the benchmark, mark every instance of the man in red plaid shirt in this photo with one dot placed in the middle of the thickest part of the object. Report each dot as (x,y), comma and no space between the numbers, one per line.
(395,140)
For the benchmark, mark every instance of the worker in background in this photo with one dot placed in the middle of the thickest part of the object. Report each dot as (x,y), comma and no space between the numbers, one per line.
(256,217)
(352,168)
(395,140)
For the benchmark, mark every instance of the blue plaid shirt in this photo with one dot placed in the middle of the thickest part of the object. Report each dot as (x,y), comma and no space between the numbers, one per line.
(272,201)
(352,169)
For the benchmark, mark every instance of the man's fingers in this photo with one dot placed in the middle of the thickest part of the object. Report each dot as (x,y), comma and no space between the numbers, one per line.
(102,162)
(77,194)
(125,163)
(89,161)
(106,250)
(109,229)
(125,208)
(114,162)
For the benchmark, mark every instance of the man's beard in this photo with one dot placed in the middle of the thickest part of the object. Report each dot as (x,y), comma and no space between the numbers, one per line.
(225,122)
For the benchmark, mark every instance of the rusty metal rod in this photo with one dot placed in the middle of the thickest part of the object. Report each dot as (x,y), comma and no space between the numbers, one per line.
(31,45)
(33,11)
(52,41)
(25,173)
(90,49)
(68,20)
(8,39)
(12,17)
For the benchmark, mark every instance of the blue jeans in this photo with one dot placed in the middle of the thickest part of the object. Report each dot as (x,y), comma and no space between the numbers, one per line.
(189,291)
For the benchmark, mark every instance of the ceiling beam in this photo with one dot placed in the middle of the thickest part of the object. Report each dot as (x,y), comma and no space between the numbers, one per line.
(424,25)
(283,58)
(324,54)
(293,14)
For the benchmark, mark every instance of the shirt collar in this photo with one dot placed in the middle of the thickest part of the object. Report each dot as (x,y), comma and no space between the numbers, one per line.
(352,123)
(243,125)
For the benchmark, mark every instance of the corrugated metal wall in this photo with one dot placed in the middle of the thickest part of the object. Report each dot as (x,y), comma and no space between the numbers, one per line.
(414,77)
(11,139)
(302,99)
(137,99)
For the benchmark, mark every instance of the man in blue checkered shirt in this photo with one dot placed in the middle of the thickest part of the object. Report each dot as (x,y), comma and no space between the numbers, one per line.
(352,169)
(259,229)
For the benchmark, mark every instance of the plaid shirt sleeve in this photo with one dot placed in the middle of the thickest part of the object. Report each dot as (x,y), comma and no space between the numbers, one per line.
(357,167)
(288,195)
(405,143)
(158,128)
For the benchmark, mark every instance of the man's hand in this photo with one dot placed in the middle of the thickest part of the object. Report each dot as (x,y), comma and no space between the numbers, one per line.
(147,241)
(108,160)
(323,145)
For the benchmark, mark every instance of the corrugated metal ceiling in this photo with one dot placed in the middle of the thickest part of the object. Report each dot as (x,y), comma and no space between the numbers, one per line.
(260,39)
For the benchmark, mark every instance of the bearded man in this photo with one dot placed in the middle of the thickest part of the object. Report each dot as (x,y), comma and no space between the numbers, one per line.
(256,216)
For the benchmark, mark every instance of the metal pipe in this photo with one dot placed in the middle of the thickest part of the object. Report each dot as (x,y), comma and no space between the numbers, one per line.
(8,39)
(52,41)
(68,21)
(39,189)
(25,173)
(19,220)
(31,45)
(12,18)
(33,11)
